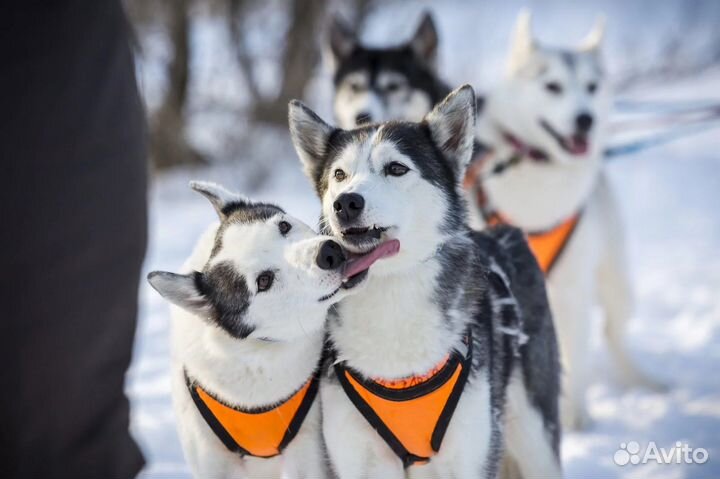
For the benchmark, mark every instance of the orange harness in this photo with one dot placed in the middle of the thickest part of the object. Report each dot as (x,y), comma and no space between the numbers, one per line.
(260,432)
(546,245)
(412,414)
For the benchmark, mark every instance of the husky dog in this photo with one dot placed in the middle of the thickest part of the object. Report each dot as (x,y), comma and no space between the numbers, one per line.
(447,295)
(544,127)
(381,84)
(248,332)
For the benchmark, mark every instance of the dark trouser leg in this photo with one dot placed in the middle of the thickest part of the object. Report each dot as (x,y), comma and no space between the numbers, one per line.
(72,190)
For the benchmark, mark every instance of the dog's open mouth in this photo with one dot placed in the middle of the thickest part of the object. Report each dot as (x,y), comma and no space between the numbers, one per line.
(356,268)
(360,234)
(576,144)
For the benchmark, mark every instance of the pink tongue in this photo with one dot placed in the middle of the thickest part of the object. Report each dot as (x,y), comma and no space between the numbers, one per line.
(361,263)
(578,146)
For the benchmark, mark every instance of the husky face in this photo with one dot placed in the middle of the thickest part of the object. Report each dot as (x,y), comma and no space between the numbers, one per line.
(393,182)
(559,96)
(269,275)
(373,85)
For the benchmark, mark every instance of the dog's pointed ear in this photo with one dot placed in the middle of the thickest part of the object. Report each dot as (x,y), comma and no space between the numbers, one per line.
(342,39)
(425,41)
(310,136)
(451,125)
(593,40)
(182,290)
(522,44)
(222,200)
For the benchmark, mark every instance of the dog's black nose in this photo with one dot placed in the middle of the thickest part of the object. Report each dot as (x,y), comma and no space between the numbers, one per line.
(330,255)
(348,206)
(363,117)
(584,122)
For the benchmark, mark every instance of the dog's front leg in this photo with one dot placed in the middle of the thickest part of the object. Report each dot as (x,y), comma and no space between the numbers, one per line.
(473,441)
(615,291)
(528,441)
(572,310)
(304,457)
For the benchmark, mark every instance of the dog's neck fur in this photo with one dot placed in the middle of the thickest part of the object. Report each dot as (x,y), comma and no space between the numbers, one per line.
(531,195)
(395,328)
(247,373)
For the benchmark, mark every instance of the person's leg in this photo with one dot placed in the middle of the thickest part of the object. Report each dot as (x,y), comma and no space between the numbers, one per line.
(73,168)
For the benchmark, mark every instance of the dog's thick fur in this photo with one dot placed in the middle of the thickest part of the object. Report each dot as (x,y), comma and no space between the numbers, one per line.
(382,84)
(249,348)
(418,305)
(541,102)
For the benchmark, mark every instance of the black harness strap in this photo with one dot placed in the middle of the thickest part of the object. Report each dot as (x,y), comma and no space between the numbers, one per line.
(225,436)
(407,394)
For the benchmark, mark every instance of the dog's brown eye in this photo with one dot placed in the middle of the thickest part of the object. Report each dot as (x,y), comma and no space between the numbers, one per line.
(356,87)
(396,169)
(284,227)
(554,87)
(265,280)
(340,175)
(592,87)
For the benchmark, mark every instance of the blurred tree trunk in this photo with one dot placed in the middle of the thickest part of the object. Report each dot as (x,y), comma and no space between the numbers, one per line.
(168,144)
(362,10)
(299,58)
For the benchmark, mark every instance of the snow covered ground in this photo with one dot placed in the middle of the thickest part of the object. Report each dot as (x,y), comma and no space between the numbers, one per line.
(670,197)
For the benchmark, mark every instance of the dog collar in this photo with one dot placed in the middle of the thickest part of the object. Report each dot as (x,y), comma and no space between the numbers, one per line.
(547,245)
(523,149)
(411,414)
(258,432)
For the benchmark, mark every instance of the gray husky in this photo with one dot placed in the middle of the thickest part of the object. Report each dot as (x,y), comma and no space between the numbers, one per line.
(446,357)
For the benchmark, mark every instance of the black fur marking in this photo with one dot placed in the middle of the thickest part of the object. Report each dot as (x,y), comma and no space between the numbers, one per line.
(228,295)
(415,141)
(479,105)
(401,60)
(450,288)
(569,59)
(243,213)
(498,285)
(337,141)
(247,213)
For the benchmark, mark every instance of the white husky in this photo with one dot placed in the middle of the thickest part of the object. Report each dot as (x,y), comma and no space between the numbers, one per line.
(248,331)
(544,128)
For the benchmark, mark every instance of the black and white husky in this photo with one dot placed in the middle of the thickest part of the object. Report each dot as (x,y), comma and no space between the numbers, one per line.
(549,116)
(448,292)
(248,329)
(382,84)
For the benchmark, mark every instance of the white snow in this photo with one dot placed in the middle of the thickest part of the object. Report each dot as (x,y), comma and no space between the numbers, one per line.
(670,197)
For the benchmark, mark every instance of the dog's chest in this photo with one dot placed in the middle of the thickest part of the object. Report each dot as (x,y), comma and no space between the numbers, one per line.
(538,196)
(392,329)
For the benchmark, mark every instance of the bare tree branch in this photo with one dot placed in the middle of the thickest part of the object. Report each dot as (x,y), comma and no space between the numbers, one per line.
(168,145)
(299,59)
(237,12)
